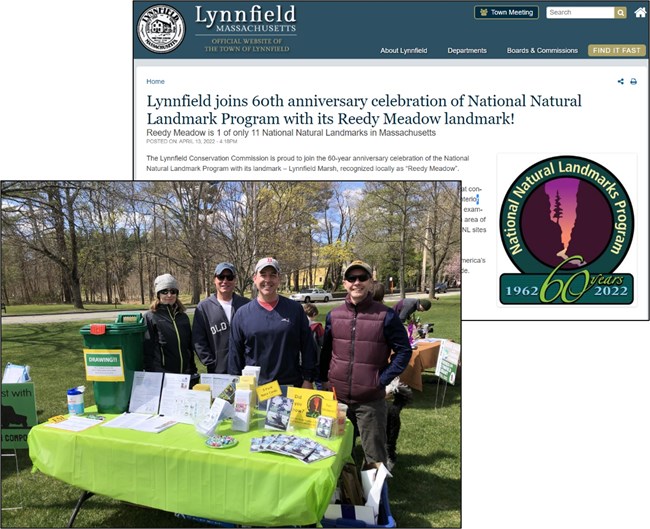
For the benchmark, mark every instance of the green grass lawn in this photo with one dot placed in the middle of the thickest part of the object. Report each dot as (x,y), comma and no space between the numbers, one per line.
(424,491)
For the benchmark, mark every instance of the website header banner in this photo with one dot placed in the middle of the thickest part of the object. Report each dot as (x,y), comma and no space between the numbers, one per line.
(384,30)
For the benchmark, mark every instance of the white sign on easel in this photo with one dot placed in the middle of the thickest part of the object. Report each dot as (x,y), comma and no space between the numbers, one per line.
(448,358)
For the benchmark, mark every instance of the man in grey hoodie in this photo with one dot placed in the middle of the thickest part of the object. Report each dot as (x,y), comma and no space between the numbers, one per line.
(211,327)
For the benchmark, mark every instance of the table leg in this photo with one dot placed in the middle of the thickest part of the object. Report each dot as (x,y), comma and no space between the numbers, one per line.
(84,496)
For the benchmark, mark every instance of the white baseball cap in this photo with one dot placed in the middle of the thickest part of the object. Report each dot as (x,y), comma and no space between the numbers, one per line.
(267,261)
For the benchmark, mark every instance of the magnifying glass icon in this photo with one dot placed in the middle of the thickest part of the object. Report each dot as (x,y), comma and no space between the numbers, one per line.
(621,12)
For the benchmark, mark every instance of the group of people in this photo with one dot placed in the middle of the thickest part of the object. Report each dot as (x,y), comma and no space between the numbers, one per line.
(362,348)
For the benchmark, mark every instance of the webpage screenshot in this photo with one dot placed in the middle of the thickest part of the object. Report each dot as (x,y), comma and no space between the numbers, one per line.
(540,109)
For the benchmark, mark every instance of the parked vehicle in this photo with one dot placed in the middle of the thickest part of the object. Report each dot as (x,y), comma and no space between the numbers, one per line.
(307,295)
(441,288)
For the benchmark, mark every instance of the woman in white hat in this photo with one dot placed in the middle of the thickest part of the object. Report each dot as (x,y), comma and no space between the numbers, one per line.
(168,340)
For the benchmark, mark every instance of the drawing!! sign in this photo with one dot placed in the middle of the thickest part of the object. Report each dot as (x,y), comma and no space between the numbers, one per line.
(566,223)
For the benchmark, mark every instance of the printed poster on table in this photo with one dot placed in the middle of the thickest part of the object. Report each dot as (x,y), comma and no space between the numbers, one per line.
(18,414)
(448,358)
(104,365)
(309,404)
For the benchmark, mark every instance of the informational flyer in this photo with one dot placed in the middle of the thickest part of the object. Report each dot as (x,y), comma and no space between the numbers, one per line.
(145,392)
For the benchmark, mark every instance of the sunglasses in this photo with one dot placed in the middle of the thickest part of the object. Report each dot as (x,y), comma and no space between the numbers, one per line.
(227,277)
(169,291)
(362,278)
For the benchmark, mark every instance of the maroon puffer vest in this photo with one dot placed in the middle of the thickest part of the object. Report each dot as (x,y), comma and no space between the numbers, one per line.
(359,350)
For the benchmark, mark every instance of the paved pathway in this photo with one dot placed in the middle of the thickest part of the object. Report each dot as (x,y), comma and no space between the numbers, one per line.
(109,315)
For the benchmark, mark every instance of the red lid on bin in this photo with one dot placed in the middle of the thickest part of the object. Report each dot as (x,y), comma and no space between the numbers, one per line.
(97,328)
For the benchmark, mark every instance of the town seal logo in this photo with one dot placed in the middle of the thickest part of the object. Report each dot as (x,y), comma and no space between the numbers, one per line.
(161,29)
(566,224)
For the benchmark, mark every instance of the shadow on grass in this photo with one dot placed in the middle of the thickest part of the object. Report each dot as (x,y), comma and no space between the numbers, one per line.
(425,499)
(45,334)
(100,511)
(426,399)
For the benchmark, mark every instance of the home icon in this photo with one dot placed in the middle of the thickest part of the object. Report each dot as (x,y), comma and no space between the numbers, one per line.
(640,12)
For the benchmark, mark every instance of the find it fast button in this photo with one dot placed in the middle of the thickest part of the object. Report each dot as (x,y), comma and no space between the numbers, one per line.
(617,50)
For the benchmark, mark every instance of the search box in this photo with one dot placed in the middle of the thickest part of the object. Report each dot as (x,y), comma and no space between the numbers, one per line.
(586,12)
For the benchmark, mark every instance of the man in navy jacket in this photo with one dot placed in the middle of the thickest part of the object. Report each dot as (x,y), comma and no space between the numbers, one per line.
(272,332)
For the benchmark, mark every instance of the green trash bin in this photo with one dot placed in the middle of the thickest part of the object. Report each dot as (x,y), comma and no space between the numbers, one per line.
(126,334)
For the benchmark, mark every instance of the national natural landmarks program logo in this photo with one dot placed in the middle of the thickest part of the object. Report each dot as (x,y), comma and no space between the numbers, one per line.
(566,223)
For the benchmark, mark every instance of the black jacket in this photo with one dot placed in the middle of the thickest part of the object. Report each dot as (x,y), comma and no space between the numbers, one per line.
(168,342)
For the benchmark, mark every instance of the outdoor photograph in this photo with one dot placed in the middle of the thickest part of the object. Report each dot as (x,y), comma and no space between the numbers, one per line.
(348,290)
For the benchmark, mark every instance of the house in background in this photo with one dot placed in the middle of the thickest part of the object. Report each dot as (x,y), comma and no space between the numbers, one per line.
(317,274)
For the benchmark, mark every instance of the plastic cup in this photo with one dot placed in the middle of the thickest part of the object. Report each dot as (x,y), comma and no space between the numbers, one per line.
(341,415)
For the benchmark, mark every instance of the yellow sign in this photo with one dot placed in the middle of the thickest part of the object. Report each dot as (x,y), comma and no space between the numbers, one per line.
(104,365)
(266,391)
(308,404)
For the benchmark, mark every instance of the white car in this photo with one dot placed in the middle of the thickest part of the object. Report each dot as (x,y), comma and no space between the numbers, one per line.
(312,294)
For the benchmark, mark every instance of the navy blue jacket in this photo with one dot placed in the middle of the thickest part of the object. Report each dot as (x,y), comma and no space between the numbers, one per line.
(279,341)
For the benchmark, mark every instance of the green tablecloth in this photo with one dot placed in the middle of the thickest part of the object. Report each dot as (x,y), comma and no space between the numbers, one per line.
(175,471)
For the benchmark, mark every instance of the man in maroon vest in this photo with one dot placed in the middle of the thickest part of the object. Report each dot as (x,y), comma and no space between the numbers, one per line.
(360,336)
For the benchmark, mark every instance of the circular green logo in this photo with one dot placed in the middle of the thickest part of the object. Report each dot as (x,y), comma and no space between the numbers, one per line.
(566,214)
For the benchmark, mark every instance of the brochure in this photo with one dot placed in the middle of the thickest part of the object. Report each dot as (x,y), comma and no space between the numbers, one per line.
(145,392)
(15,374)
(219,411)
(319,453)
(300,447)
(278,413)
(188,406)
(221,386)
(324,427)
(141,421)
(74,423)
(173,386)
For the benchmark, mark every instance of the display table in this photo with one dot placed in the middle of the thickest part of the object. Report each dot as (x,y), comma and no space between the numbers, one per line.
(425,356)
(175,471)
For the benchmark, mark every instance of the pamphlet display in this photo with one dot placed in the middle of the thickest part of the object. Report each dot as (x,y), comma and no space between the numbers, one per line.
(243,411)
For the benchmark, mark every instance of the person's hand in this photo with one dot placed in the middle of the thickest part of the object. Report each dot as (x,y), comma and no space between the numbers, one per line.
(307,385)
